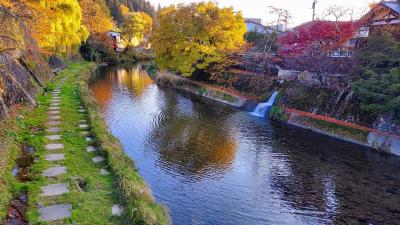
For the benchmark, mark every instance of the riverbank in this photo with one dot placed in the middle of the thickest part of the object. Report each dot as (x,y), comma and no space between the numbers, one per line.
(213,93)
(94,190)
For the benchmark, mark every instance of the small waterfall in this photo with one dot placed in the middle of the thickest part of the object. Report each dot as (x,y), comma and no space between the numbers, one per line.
(263,108)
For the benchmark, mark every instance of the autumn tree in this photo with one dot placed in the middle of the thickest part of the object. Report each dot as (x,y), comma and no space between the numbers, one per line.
(196,36)
(136,26)
(96,16)
(309,46)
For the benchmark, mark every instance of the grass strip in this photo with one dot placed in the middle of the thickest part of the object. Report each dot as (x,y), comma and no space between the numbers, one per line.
(141,207)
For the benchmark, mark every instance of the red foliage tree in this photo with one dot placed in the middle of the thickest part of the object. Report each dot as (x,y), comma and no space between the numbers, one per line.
(318,36)
(308,47)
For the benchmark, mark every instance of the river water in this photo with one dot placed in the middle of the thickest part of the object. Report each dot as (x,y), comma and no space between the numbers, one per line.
(213,164)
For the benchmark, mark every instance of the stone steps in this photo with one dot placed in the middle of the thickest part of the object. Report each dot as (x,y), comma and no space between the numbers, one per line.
(58,212)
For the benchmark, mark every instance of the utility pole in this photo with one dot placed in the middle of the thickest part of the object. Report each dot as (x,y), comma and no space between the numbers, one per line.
(313,8)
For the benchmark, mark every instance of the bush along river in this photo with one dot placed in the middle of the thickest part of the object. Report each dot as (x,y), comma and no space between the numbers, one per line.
(214,164)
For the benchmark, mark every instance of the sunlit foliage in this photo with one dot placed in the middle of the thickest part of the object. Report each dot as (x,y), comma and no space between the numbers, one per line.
(191,37)
(136,26)
(96,16)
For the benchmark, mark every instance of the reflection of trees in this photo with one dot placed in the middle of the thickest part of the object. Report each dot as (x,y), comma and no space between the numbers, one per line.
(102,88)
(134,78)
(193,142)
(335,181)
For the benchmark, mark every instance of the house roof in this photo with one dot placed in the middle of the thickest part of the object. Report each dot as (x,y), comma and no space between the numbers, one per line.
(393,5)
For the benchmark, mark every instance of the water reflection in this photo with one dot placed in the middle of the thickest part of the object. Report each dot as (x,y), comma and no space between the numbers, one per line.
(212,164)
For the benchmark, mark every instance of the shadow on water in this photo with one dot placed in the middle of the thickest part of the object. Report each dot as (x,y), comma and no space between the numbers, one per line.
(212,164)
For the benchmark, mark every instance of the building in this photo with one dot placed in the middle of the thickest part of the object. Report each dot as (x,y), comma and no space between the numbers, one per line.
(255,25)
(117,42)
(384,14)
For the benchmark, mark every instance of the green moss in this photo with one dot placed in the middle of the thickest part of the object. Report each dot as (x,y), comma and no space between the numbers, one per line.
(278,113)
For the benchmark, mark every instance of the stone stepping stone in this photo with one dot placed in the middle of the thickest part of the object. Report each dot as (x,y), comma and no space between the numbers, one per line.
(55,171)
(54,117)
(53,112)
(54,190)
(85,133)
(83,121)
(53,123)
(104,172)
(56,97)
(54,104)
(83,126)
(55,157)
(54,108)
(117,210)
(53,130)
(55,212)
(88,139)
(53,137)
(82,111)
(51,147)
(91,148)
(98,159)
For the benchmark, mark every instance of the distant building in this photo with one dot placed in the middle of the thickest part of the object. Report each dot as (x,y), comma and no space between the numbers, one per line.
(117,42)
(255,25)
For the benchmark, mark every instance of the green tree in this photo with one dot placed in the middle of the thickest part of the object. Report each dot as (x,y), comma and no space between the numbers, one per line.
(378,86)
(196,36)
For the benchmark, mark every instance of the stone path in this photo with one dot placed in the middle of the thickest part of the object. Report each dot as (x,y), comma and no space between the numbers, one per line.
(56,153)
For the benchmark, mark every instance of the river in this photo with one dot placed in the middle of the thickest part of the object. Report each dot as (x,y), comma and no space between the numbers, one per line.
(213,164)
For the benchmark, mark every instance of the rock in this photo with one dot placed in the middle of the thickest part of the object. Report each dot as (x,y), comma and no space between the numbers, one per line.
(55,157)
(53,130)
(81,110)
(54,104)
(54,108)
(91,149)
(53,137)
(88,139)
(117,210)
(55,212)
(54,189)
(98,159)
(85,133)
(55,171)
(54,146)
(288,75)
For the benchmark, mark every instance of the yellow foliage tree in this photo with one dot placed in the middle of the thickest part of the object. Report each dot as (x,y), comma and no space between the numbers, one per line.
(193,37)
(136,26)
(96,16)
(124,10)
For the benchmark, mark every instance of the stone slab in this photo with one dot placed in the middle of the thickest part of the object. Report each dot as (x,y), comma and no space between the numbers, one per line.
(53,123)
(104,172)
(54,104)
(117,210)
(98,159)
(54,108)
(55,100)
(53,130)
(81,110)
(91,148)
(55,171)
(54,117)
(54,190)
(88,139)
(55,157)
(83,126)
(53,112)
(55,212)
(85,133)
(53,137)
(54,146)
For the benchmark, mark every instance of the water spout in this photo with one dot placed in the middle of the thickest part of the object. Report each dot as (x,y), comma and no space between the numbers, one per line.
(263,108)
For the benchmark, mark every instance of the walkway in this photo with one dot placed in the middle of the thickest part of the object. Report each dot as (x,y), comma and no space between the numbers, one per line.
(78,187)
